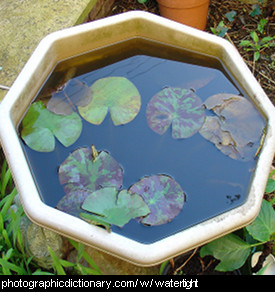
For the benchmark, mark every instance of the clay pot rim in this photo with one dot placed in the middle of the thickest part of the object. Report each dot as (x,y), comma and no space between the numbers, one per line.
(181,4)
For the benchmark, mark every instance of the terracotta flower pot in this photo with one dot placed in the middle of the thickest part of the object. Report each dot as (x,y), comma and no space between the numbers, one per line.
(189,12)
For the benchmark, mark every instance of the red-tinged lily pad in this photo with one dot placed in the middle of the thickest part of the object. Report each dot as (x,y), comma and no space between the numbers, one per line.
(236,128)
(178,107)
(40,127)
(83,172)
(71,203)
(115,94)
(110,206)
(163,195)
(73,92)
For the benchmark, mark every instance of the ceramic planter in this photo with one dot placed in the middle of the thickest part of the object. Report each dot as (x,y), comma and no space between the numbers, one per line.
(268,267)
(189,12)
(91,36)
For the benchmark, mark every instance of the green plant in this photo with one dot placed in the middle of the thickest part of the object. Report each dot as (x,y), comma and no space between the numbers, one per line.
(233,250)
(13,260)
(61,266)
(220,30)
(256,44)
(256,8)
(270,188)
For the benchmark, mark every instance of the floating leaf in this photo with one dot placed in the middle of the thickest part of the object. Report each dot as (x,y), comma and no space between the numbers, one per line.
(177,106)
(71,202)
(236,127)
(163,195)
(84,172)
(40,126)
(113,207)
(74,92)
(115,94)
(95,220)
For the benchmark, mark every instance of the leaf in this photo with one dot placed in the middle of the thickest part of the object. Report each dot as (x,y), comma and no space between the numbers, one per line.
(231,15)
(56,262)
(115,208)
(80,175)
(40,127)
(229,249)
(74,92)
(221,29)
(236,127)
(163,195)
(115,94)
(246,43)
(267,40)
(256,56)
(256,10)
(263,226)
(95,220)
(270,186)
(261,25)
(254,36)
(178,107)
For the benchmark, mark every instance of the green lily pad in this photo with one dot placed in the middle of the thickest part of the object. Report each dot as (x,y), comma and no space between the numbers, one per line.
(236,128)
(74,92)
(163,195)
(40,127)
(113,207)
(115,94)
(178,107)
(83,172)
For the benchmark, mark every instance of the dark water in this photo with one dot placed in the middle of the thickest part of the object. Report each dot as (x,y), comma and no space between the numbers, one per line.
(213,182)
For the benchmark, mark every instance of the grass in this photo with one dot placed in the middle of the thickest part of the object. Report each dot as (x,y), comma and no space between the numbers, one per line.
(14,260)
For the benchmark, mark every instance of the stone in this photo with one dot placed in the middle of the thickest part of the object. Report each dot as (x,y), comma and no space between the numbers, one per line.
(23,24)
(36,241)
(110,265)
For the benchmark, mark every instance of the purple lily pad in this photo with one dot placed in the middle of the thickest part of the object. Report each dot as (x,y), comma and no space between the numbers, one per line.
(74,92)
(178,107)
(82,173)
(71,203)
(163,195)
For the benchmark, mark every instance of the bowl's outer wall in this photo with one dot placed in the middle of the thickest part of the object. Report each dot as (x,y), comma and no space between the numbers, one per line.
(84,38)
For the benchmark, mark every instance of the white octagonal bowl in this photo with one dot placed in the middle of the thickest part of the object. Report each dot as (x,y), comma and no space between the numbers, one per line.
(84,38)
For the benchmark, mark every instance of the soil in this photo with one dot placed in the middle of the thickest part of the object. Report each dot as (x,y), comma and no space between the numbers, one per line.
(238,30)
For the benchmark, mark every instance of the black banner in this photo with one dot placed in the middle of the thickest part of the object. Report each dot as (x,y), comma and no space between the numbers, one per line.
(40,283)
